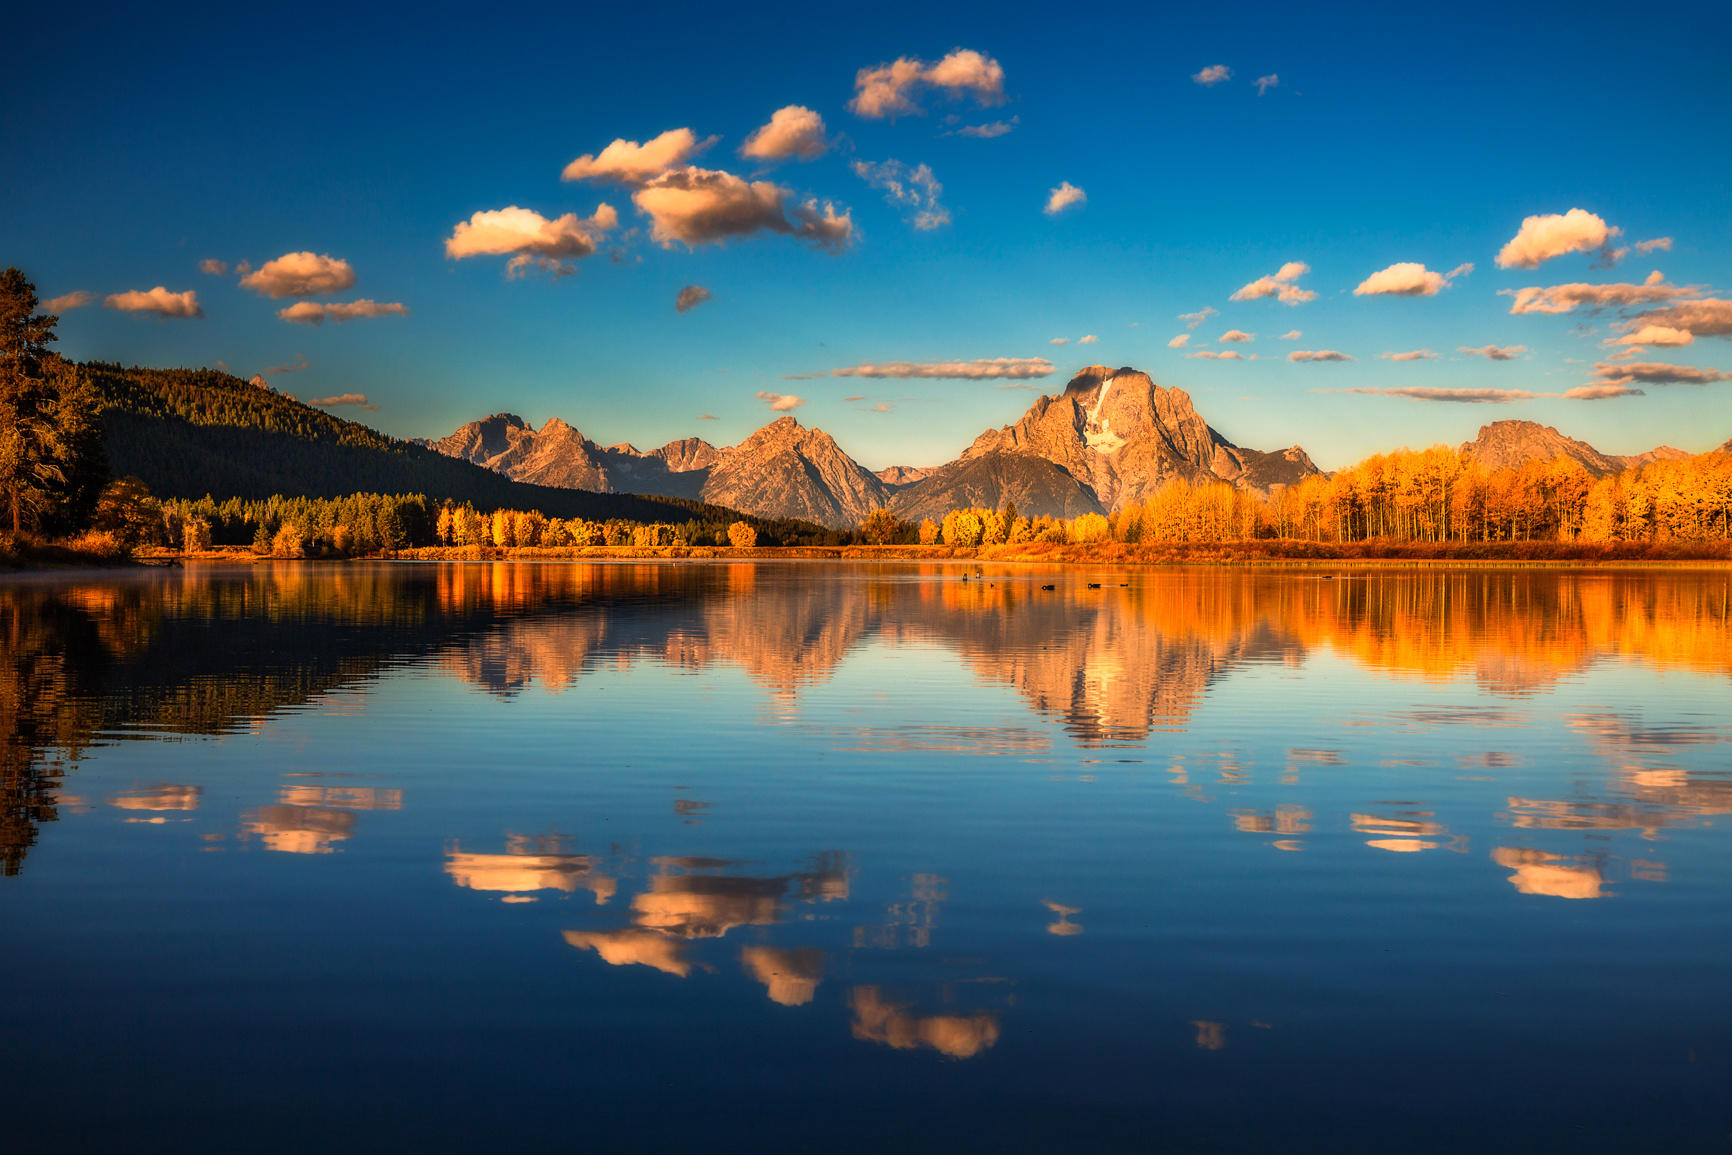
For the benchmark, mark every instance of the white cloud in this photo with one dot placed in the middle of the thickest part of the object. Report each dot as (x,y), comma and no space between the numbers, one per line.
(1063,197)
(1210,355)
(1410,355)
(77,299)
(795,131)
(1281,286)
(532,240)
(1059,341)
(1552,235)
(1318,355)
(1236,335)
(1265,83)
(1014,368)
(300,274)
(358,400)
(1664,244)
(889,90)
(1408,279)
(780,402)
(1087,339)
(1494,352)
(318,312)
(1180,341)
(1192,320)
(628,163)
(913,188)
(695,206)
(690,297)
(158,300)
(1212,75)
(213,266)
(1291,335)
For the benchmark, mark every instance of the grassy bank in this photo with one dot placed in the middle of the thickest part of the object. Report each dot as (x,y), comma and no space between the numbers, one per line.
(89,549)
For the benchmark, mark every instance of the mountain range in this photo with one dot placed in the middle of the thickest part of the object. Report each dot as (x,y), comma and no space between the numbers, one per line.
(1110,438)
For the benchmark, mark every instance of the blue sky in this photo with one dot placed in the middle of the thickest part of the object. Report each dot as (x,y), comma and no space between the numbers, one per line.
(156,140)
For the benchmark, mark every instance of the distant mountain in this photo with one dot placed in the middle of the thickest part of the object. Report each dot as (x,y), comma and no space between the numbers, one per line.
(557,454)
(191,432)
(897,475)
(1112,437)
(1511,444)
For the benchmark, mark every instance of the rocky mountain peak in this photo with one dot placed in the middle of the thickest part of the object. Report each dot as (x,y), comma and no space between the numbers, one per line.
(1510,443)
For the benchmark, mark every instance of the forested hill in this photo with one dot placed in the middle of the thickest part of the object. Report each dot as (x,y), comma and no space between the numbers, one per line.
(191,432)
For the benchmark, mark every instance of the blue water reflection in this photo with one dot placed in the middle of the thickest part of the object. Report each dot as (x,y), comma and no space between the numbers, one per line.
(651,857)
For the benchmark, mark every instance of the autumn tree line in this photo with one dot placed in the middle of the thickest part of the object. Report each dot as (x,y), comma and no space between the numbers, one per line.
(1408,496)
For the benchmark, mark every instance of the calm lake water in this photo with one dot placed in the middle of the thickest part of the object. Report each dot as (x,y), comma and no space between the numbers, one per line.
(866,857)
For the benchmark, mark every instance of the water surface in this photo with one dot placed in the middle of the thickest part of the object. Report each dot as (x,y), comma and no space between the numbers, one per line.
(838,857)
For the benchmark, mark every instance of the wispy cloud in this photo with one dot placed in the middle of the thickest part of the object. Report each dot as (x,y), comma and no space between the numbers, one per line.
(1192,320)
(780,402)
(213,267)
(983,369)
(1494,352)
(1282,285)
(793,132)
(77,299)
(1087,339)
(1265,83)
(1318,355)
(912,187)
(158,301)
(1180,341)
(1291,335)
(1059,341)
(1494,396)
(1566,298)
(1212,75)
(988,131)
(690,298)
(1709,317)
(1210,355)
(299,363)
(1410,355)
(1661,335)
(1655,373)
(1236,336)
(1549,235)
(1663,244)
(891,90)
(318,312)
(358,400)
(1063,197)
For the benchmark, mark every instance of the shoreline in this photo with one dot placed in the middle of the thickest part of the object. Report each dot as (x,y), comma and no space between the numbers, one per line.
(1286,554)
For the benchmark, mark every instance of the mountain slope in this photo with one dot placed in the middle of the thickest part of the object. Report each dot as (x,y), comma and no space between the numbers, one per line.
(192,432)
(795,472)
(558,454)
(1511,444)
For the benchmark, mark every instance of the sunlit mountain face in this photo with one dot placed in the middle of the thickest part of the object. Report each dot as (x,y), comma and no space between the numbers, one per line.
(929,833)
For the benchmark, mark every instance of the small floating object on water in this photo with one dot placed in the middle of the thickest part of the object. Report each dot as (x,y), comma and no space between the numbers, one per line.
(1094,585)
(1046,587)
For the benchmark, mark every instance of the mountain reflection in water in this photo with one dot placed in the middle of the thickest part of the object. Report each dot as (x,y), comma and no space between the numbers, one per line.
(1115,836)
